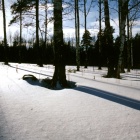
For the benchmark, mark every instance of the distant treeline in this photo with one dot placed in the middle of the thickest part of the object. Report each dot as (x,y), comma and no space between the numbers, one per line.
(46,53)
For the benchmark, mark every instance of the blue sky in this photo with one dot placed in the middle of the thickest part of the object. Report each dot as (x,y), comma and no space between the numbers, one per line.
(68,25)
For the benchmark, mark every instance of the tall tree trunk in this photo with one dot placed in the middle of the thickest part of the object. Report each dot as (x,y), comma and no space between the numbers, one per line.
(85,19)
(99,67)
(131,46)
(39,55)
(122,35)
(5,37)
(59,76)
(119,15)
(109,41)
(46,24)
(77,34)
(20,33)
(128,43)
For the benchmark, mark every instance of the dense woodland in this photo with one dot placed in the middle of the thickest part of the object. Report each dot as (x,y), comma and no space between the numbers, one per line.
(28,55)
(104,51)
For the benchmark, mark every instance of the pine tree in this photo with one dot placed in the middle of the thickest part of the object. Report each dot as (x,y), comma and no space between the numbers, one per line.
(86,39)
(85,42)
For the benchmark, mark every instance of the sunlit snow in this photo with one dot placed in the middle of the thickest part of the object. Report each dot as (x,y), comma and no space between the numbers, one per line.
(96,109)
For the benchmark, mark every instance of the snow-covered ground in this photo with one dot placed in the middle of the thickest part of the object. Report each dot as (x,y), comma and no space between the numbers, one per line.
(97,109)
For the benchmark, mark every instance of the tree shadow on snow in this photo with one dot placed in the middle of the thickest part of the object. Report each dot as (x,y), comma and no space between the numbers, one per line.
(31,79)
(132,103)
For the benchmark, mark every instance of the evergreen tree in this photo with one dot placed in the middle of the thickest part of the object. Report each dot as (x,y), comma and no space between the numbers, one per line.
(86,39)
(85,42)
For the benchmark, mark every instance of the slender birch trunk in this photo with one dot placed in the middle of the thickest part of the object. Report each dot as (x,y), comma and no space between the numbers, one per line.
(128,43)
(77,33)
(119,15)
(122,35)
(85,20)
(99,67)
(131,46)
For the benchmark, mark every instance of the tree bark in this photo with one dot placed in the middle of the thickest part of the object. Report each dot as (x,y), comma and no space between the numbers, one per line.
(77,34)
(20,35)
(99,67)
(5,36)
(59,76)
(39,57)
(131,46)
(85,19)
(46,24)
(119,14)
(128,43)
(109,41)
(122,35)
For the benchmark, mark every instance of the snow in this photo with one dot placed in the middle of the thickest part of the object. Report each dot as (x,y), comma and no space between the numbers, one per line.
(97,109)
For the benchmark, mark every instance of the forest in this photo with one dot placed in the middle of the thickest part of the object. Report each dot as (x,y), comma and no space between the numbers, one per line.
(105,50)
(47,54)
